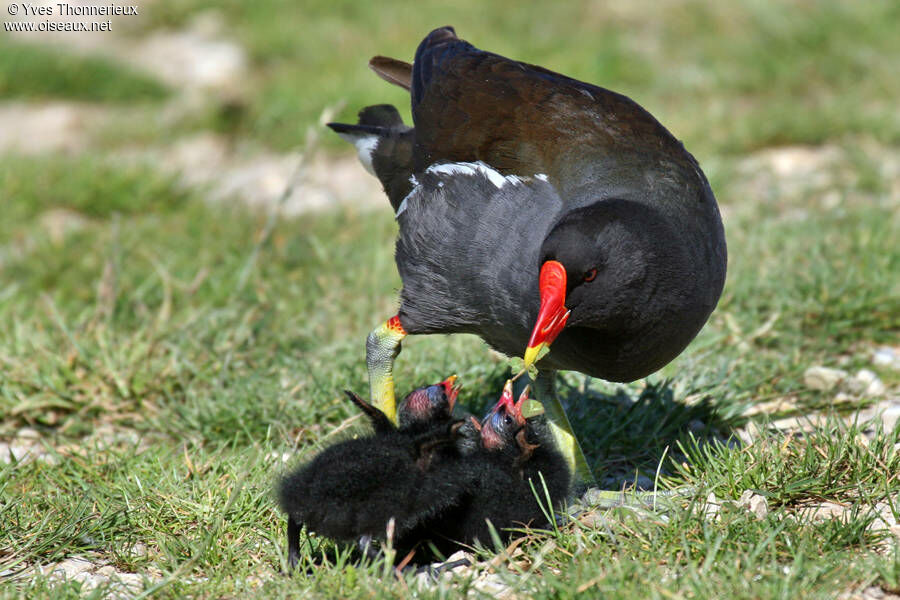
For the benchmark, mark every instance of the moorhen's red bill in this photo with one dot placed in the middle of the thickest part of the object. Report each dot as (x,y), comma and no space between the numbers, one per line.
(535,209)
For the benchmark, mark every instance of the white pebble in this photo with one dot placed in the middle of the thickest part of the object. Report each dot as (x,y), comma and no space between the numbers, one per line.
(866,382)
(886,357)
(823,378)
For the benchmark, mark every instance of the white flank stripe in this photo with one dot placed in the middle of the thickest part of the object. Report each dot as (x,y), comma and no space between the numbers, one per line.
(464,168)
(402,206)
(469,168)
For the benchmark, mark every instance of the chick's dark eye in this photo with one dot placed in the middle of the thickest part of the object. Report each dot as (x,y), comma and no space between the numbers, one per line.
(590,275)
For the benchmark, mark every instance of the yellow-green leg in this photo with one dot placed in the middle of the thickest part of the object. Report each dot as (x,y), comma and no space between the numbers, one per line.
(545,391)
(382,348)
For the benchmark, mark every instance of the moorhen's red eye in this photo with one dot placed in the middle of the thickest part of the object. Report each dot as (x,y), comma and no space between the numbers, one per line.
(590,275)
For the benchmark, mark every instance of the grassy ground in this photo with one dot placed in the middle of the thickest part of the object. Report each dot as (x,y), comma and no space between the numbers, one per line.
(725,77)
(164,354)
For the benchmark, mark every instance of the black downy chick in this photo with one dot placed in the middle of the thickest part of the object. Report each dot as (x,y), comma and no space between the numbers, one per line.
(526,443)
(352,489)
(515,454)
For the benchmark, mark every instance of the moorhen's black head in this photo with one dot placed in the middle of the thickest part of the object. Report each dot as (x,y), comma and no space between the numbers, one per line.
(597,263)
(428,404)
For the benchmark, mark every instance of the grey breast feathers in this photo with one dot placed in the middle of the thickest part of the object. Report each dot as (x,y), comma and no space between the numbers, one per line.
(467,247)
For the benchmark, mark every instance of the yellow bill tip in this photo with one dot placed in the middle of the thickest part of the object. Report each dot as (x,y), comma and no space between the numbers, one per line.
(531,354)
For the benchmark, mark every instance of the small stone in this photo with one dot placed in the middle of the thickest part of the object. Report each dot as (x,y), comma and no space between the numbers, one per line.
(493,585)
(423,580)
(593,519)
(71,567)
(826,510)
(281,457)
(428,578)
(107,571)
(712,506)
(131,580)
(92,581)
(15,452)
(755,503)
(749,433)
(867,383)
(803,423)
(823,378)
(887,411)
(886,357)
(891,416)
(461,555)
(788,423)
(843,398)
(886,515)
(28,433)
(778,405)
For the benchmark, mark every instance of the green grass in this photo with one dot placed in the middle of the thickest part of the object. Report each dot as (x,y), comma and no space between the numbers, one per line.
(152,317)
(32,72)
(168,351)
(83,185)
(789,72)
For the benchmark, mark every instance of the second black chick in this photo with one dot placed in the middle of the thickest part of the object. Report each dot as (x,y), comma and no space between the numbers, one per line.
(352,489)
(503,482)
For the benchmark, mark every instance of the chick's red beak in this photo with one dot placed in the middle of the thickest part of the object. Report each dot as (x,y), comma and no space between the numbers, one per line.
(490,436)
(553,313)
(506,398)
(520,404)
(451,389)
(508,405)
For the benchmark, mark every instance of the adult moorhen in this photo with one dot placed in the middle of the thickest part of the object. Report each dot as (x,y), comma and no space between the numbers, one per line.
(533,207)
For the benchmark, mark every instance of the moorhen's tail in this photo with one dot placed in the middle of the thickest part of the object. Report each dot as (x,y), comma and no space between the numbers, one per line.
(384,145)
(394,71)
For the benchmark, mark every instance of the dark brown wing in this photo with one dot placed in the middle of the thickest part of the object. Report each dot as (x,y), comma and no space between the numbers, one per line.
(523,119)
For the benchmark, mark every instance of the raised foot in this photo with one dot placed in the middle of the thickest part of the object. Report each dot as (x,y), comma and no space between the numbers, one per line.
(382,348)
